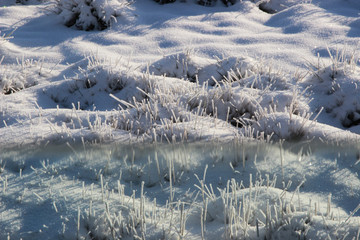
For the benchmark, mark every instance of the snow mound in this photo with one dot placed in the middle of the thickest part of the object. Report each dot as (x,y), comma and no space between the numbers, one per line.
(91,14)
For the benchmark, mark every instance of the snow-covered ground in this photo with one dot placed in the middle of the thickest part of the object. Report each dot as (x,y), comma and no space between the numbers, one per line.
(179,121)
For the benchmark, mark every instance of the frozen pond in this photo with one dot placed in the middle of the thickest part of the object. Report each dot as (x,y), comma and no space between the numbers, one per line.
(48,191)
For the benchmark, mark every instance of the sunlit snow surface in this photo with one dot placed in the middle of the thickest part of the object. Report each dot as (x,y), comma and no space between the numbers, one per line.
(86,116)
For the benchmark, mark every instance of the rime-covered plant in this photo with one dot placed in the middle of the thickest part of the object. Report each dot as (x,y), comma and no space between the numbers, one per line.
(91,14)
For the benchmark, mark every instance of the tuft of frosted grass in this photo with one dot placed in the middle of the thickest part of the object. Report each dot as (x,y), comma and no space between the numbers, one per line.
(26,73)
(92,14)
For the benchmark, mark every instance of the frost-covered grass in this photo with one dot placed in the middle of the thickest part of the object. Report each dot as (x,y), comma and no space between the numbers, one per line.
(174,98)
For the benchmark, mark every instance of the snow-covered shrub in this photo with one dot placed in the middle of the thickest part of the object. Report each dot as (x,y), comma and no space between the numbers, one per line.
(91,86)
(335,87)
(241,91)
(181,65)
(244,89)
(24,74)
(285,125)
(245,105)
(188,66)
(91,14)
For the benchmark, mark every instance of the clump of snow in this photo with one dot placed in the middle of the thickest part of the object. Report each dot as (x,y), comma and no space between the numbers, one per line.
(91,14)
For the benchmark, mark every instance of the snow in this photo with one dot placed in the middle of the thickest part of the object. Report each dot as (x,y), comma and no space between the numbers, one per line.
(179,121)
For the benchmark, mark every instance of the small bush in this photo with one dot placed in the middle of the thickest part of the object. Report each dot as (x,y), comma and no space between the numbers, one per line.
(91,14)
